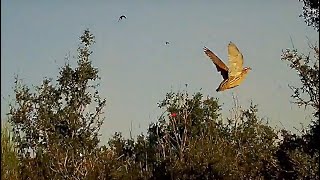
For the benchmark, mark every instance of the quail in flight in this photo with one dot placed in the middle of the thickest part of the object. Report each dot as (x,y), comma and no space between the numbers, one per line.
(234,74)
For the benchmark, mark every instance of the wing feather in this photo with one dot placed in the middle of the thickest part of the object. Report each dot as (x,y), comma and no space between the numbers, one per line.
(221,67)
(235,60)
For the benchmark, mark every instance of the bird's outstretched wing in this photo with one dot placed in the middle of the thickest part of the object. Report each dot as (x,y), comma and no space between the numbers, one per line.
(121,17)
(235,60)
(221,67)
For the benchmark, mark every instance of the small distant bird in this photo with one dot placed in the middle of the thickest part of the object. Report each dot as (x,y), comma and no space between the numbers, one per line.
(234,74)
(122,17)
(167,42)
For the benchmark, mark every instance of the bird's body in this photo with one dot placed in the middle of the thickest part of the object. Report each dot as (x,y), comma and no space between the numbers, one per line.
(234,74)
(233,81)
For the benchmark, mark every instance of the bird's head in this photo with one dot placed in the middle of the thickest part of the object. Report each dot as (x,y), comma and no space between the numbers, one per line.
(247,69)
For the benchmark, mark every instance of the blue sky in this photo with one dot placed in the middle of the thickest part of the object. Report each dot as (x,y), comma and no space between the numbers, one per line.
(136,66)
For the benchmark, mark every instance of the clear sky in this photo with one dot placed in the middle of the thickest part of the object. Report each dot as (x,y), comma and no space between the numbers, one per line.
(138,68)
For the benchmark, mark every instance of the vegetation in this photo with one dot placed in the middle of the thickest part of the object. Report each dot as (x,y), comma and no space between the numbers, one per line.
(9,158)
(303,151)
(56,135)
(310,13)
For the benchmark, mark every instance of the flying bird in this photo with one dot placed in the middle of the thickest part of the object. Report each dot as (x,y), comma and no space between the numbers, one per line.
(234,74)
(122,17)
(167,42)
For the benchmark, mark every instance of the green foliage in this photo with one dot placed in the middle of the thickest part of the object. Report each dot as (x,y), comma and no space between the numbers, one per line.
(189,141)
(299,155)
(232,150)
(307,68)
(296,159)
(54,132)
(311,13)
(9,157)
